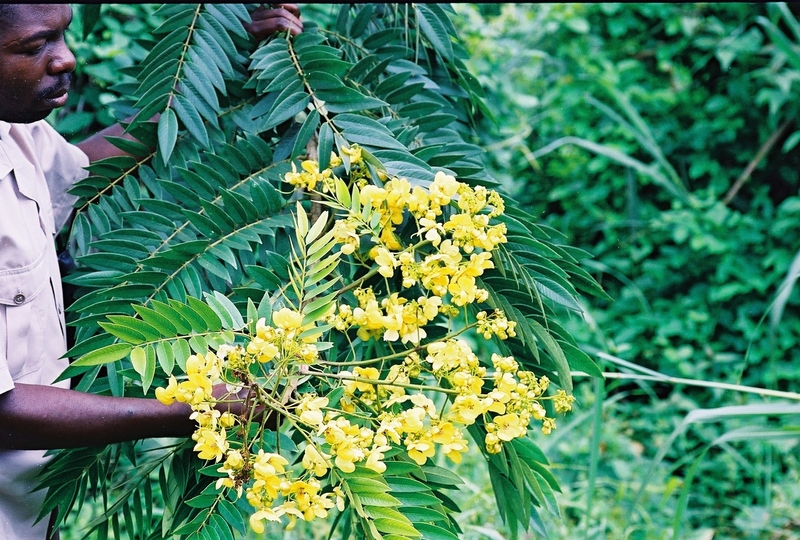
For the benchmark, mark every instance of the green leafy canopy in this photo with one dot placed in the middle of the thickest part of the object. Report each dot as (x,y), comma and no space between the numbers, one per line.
(180,247)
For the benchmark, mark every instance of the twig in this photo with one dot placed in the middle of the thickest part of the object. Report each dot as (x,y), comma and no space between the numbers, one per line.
(760,155)
(313,154)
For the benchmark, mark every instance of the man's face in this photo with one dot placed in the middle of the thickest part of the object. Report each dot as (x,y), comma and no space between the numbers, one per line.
(35,64)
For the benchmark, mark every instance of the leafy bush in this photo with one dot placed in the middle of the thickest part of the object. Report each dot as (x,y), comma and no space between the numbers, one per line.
(198,261)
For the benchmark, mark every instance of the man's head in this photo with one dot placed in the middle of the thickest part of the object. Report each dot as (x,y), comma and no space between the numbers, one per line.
(35,64)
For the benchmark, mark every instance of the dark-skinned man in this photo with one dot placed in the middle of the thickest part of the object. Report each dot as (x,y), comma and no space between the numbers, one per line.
(37,166)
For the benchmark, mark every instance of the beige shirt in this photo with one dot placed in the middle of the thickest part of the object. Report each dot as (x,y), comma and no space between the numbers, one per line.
(37,166)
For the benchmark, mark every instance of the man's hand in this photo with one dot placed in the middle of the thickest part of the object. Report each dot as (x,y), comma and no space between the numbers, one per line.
(276,18)
(236,403)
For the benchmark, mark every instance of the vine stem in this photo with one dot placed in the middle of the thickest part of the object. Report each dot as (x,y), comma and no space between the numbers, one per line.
(398,354)
(344,377)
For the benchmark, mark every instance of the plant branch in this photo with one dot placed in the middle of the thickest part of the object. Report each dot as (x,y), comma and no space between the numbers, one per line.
(760,155)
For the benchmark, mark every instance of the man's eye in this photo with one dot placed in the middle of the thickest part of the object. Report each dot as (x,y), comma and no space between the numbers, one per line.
(34,49)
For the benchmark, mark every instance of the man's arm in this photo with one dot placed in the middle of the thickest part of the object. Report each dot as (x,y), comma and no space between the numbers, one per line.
(36,417)
(97,147)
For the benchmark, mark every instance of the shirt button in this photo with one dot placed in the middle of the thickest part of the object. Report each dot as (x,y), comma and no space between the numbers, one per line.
(20,298)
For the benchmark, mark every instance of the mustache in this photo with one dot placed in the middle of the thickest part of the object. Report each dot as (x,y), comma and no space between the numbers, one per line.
(64,83)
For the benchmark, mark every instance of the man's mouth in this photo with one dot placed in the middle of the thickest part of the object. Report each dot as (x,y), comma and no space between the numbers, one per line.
(57,98)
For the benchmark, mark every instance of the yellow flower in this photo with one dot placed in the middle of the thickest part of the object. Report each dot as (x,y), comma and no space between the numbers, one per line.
(411,420)
(562,401)
(211,444)
(263,350)
(389,429)
(346,456)
(493,443)
(509,427)
(374,457)
(340,498)
(420,448)
(450,439)
(353,152)
(287,319)
(467,408)
(167,395)
(443,188)
(386,262)
(315,460)
(257,518)
(309,409)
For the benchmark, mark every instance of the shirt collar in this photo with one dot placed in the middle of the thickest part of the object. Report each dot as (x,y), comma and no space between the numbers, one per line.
(5,127)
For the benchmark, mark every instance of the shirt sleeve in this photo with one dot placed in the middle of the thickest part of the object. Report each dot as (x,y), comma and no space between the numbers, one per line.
(6,381)
(63,164)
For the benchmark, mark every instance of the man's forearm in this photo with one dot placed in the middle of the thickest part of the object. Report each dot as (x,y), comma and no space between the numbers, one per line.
(34,417)
(97,147)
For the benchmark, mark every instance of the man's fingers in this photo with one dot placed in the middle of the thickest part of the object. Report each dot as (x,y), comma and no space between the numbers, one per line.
(275,9)
(281,18)
(267,27)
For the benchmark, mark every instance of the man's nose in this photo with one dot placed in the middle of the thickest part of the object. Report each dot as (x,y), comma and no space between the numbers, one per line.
(63,61)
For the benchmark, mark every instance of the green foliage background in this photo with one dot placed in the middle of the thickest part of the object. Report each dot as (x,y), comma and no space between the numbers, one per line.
(666,106)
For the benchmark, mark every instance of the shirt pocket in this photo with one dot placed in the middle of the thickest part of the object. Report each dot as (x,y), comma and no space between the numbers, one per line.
(25,296)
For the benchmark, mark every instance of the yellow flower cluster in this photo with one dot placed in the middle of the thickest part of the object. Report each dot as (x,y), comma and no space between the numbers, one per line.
(392,319)
(418,427)
(310,176)
(271,480)
(514,399)
(202,372)
(446,270)
(282,340)
(385,403)
(495,324)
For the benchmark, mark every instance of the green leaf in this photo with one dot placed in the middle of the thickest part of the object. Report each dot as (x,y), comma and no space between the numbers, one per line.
(211,319)
(377,499)
(434,30)
(166,357)
(104,355)
(156,320)
(132,147)
(149,332)
(361,21)
(405,485)
(366,131)
(304,135)
(289,102)
(231,515)
(433,532)
(228,313)
(90,13)
(441,476)
(396,526)
(139,360)
(167,134)
(325,145)
(149,368)
(550,344)
(191,119)
(366,485)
